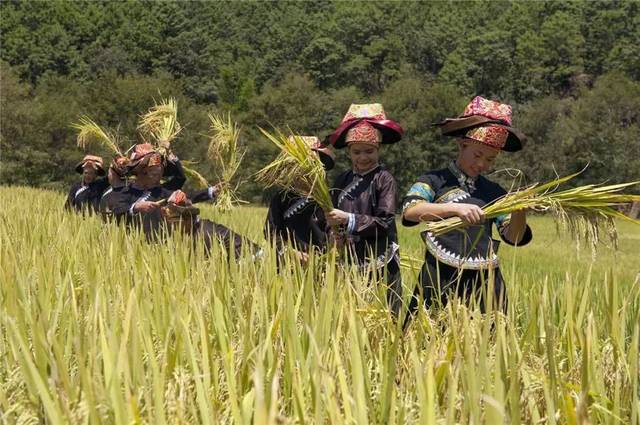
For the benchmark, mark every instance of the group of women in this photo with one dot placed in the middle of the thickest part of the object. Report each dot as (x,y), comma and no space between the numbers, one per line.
(363,221)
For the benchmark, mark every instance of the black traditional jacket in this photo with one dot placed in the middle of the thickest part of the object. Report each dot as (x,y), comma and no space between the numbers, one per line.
(473,247)
(86,197)
(370,199)
(123,202)
(297,220)
(173,174)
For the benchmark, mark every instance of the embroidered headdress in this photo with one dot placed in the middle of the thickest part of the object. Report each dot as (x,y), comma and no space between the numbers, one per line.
(144,155)
(91,161)
(485,121)
(366,124)
(120,165)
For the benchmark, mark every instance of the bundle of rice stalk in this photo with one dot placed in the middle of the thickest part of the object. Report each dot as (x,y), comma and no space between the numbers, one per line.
(582,210)
(194,175)
(226,156)
(297,169)
(161,124)
(90,132)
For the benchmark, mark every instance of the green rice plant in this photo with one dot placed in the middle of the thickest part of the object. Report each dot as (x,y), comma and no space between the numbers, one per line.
(297,169)
(90,132)
(226,155)
(160,124)
(582,210)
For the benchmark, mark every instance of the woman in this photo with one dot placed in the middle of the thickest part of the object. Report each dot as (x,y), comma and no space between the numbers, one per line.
(85,195)
(140,202)
(365,196)
(297,220)
(149,204)
(463,263)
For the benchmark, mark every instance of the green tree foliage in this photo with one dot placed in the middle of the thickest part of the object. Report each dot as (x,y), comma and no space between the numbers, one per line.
(570,69)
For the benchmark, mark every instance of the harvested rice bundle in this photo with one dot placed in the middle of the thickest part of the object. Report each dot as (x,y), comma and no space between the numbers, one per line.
(226,155)
(297,169)
(90,132)
(194,175)
(161,124)
(582,210)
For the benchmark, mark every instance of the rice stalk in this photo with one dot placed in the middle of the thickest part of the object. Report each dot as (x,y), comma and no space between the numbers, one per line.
(583,210)
(297,169)
(160,123)
(90,132)
(226,155)
(194,175)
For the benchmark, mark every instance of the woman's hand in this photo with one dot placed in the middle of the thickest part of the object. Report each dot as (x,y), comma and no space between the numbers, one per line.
(469,213)
(219,187)
(336,217)
(303,257)
(145,207)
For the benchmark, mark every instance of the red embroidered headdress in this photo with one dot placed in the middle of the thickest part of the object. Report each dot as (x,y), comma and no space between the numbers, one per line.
(144,155)
(485,121)
(366,124)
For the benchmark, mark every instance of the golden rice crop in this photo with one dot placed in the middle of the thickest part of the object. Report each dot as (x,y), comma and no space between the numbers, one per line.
(90,132)
(98,326)
(226,155)
(160,124)
(582,210)
(297,169)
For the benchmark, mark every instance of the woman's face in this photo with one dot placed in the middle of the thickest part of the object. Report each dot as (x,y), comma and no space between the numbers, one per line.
(114,179)
(475,158)
(149,177)
(88,174)
(364,157)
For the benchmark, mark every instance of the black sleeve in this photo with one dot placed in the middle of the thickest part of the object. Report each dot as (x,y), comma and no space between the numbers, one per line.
(274,225)
(174,173)
(383,219)
(200,195)
(68,205)
(121,203)
(102,184)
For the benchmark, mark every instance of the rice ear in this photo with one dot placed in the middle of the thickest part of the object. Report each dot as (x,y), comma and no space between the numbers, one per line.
(226,156)
(160,124)
(297,168)
(583,210)
(195,176)
(89,132)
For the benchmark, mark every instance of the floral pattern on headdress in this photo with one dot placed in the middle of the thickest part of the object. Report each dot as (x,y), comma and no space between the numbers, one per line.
(363,132)
(491,135)
(490,109)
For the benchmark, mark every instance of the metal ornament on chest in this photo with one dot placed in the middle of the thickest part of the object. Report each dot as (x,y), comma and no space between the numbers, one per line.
(467,183)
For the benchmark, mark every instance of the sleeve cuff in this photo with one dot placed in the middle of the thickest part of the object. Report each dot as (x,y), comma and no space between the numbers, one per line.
(526,238)
(351,224)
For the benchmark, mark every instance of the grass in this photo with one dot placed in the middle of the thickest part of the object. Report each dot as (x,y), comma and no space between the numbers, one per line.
(97,326)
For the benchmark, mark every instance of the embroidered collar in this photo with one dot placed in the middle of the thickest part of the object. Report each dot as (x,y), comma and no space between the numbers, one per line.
(467,183)
(296,207)
(366,172)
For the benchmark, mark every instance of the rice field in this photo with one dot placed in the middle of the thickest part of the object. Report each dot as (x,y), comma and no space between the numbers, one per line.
(97,326)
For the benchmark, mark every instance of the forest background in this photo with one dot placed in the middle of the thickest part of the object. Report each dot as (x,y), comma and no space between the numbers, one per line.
(570,69)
